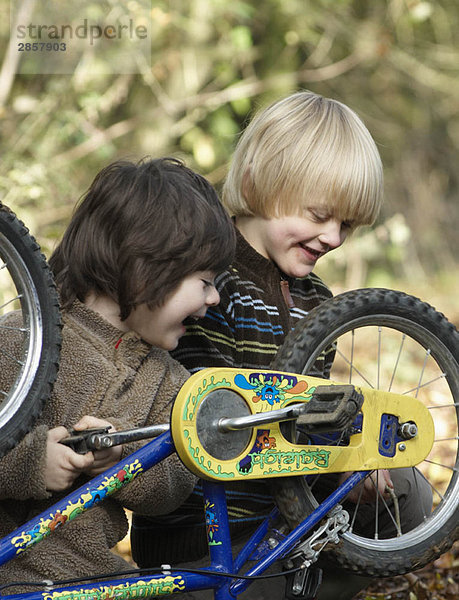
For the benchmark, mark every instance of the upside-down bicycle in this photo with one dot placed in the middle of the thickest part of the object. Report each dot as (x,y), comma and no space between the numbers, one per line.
(391,401)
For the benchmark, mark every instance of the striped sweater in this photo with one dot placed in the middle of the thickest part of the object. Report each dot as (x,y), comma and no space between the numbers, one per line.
(258,307)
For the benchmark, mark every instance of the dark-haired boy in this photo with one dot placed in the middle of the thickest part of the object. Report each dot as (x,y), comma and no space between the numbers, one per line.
(138,258)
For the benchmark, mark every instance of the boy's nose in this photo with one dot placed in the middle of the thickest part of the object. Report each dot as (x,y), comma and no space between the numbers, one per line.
(332,234)
(213,297)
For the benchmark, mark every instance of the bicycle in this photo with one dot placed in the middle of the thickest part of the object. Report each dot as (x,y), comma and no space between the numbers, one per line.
(230,424)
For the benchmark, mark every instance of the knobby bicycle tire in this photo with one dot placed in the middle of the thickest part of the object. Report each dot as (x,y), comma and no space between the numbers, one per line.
(30,318)
(407,326)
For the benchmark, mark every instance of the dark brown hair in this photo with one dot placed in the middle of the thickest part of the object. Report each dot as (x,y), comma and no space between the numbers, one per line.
(138,231)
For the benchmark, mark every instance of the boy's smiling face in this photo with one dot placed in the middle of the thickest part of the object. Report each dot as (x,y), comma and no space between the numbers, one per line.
(295,243)
(163,326)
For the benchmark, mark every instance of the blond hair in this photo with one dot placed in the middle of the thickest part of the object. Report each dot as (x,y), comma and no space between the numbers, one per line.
(305,149)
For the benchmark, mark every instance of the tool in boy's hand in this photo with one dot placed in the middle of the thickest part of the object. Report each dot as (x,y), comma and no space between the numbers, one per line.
(84,441)
(100,438)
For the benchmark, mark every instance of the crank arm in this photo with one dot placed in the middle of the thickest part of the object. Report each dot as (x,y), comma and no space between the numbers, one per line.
(330,408)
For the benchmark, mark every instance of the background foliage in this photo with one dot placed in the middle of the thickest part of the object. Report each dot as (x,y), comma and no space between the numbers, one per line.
(396,62)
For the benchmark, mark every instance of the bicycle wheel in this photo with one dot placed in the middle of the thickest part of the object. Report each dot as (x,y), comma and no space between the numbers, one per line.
(394,342)
(29,330)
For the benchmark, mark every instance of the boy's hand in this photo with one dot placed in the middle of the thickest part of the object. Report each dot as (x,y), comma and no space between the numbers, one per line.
(103,459)
(370,485)
(63,465)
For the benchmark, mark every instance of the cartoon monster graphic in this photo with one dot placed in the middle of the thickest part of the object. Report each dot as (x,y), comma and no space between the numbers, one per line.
(58,520)
(212,525)
(269,394)
(271,387)
(262,442)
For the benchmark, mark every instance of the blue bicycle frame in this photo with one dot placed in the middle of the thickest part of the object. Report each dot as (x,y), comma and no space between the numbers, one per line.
(165,581)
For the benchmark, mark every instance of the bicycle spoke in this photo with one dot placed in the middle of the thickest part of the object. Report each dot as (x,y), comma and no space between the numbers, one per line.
(415,471)
(18,297)
(396,362)
(432,462)
(444,405)
(395,521)
(352,355)
(422,372)
(10,356)
(351,527)
(353,367)
(20,329)
(424,385)
(316,478)
(376,507)
(440,495)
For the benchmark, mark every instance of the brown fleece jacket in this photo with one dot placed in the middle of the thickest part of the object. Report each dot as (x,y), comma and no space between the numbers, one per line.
(110,375)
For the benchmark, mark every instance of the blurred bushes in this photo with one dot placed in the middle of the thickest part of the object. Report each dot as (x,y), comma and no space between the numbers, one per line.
(395,62)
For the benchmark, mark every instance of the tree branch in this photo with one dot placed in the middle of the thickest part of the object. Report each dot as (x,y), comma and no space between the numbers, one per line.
(12,56)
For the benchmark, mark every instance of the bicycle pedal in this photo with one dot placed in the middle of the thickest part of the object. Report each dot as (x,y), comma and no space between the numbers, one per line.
(331,408)
(304,584)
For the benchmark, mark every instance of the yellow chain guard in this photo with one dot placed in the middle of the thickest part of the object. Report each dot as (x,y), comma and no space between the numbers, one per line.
(267,452)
